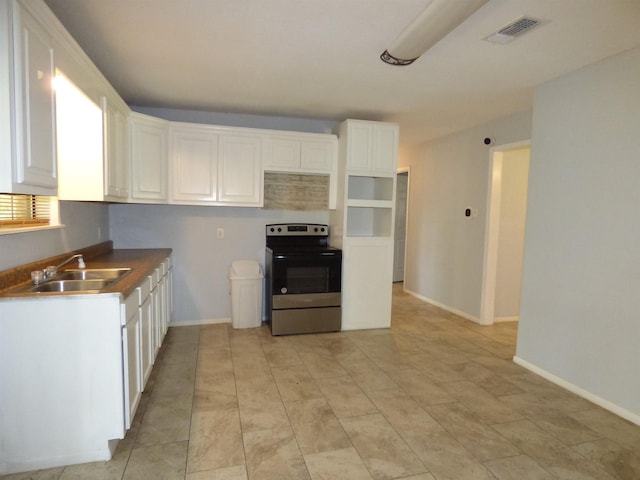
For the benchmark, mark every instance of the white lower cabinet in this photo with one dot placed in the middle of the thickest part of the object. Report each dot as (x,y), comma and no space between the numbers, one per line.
(131,347)
(73,369)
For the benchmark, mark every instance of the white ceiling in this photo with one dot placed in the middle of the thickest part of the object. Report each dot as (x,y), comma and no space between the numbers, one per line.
(320,58)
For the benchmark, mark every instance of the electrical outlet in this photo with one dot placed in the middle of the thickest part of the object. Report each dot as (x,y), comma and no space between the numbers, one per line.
(220,232)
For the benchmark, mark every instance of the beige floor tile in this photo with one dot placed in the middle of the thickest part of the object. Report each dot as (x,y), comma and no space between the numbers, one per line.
(180,353)
(167,419)
(238,472)
(175,379)
(489,408)
(214,358)
(343,464)
(404,413)
(519,467)
(367,374)
(295,383)
(281,354)
(44,474)
(383,451)
(111,470)
(423,390)
(213,336)
(274,454)
(345,397)
(160,462)
(321,363)
(552,454)
(616,460)
(445,458)
(494,384)
(482,441)
(215,440)
(316,427)
(610,426)
(565,428)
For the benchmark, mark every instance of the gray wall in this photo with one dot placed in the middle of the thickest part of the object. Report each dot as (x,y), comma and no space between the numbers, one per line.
(82,221)
(579,316)
(445,249)
(201,261)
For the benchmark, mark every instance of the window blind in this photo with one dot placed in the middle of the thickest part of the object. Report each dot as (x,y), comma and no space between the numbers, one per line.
(24,210)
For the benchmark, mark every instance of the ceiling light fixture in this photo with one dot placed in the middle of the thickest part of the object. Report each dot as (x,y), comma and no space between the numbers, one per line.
(433,24)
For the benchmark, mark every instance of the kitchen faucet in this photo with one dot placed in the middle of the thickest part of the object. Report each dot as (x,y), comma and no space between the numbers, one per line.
(50,272)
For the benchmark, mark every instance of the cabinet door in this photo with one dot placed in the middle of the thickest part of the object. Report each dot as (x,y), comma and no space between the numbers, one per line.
(132,368)
(194,163)
(282,153)
(366,283)
(359,149)
(239,170)
(385,148)
(35,116)
(147,338)
(149,157)
(116,155)
(317,155)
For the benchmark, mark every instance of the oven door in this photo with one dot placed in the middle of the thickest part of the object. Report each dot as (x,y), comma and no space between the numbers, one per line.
(303,273)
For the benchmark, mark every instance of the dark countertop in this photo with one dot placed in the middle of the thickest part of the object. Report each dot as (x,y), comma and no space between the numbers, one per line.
(142,262)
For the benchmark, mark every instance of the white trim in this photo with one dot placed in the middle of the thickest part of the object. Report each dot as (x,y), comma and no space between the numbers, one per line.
(204,321)
(406,170)
(606,404)
(443,306)
(492,230)
(11,231)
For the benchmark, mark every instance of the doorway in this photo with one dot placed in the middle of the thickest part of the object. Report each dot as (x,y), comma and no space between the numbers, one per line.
(504,245)
(400,229)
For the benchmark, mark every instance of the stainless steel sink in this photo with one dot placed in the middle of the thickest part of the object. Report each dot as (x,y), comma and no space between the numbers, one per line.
(93,274)
(61,286)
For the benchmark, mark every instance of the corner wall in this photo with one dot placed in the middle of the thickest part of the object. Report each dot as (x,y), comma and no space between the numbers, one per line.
(445,249)
(579,319)
(82,221)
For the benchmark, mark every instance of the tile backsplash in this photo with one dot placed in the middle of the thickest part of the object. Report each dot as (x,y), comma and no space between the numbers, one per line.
(293,191)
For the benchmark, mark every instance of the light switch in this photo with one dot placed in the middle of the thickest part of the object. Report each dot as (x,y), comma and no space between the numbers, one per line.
(220,232)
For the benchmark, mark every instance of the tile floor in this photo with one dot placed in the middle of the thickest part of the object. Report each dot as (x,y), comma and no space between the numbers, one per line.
(434,397)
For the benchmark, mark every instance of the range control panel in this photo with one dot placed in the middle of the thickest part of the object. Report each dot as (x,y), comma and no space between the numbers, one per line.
(297,229)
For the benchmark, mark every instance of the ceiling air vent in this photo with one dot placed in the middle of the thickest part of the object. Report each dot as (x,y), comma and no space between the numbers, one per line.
(516,28)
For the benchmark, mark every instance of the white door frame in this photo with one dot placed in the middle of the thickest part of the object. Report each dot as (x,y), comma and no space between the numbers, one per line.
(492,230)
(406,170)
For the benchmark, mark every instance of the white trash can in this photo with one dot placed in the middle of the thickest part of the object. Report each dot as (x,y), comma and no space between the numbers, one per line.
(246,293)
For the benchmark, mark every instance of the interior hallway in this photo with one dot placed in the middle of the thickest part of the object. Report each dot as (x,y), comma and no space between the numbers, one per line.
(434,397)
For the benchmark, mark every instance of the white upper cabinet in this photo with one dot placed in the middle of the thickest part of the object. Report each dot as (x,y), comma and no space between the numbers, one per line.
(215,166)
(149,157)
(28,151)
(300,152)
(372,147)
(116,149)
(194,164)
(240,169)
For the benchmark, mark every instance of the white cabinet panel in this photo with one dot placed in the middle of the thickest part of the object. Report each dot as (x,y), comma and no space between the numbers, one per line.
(300,152)
(317,155)
(194,165)
(28,157)
(116,154)
(282,153)
(240,170)
(131,335)
(366,283)
(149,157)
(372,146)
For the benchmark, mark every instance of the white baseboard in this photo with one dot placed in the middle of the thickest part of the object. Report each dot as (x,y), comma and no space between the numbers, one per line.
(514,318)
(204,321)
(601,402)
(443,306)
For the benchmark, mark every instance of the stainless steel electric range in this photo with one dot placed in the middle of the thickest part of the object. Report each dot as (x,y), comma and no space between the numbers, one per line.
(303,279)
